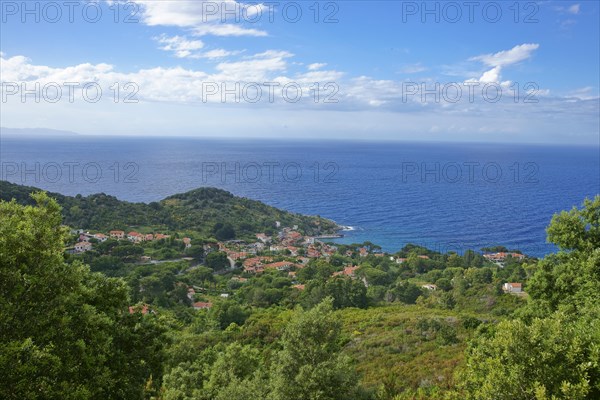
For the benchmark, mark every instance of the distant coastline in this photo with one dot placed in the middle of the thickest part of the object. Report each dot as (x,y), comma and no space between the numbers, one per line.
(36,133)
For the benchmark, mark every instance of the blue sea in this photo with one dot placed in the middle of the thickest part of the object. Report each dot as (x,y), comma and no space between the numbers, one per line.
(448,197)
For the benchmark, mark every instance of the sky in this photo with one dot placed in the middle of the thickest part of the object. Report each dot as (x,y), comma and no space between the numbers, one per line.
(523,72)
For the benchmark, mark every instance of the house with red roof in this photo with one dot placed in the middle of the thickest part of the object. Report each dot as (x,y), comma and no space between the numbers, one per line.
(347,271)
(202,305)
(135,237)
(117,235)
(512,287)
(143,309)
(280,265)
(101,237)
(263,238)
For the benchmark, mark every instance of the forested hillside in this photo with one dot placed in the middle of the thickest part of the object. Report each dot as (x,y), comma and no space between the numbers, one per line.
(416,324)
(198,210)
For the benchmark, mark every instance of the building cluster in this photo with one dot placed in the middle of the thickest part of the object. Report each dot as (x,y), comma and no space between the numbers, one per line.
(84,243)
(502,256)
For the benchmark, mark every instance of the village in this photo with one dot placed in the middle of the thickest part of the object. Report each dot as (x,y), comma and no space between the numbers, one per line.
(287,252)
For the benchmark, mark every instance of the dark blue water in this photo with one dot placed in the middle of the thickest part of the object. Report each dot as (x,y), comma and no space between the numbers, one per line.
(444,196)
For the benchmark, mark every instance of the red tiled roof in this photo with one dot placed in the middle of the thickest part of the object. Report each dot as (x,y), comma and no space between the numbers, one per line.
(348,271)
(134,309)
(202,305)
(279,264)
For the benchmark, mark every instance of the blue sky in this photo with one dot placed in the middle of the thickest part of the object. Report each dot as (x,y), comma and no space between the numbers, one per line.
(379,55)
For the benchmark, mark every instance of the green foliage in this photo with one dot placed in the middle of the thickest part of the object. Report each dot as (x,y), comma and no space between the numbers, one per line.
(552,352)
(64,331)
(309,365)
(198,210)
(404,291)
(344,292)
(227,313)
(223,231)
(217,260)
(548,359)
(578,229)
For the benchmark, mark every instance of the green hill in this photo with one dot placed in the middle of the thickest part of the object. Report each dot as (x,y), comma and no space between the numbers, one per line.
(204,210)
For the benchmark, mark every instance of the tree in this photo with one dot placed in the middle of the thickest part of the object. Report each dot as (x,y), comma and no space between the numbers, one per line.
(569,280)
(552,351)
(217,260)
(196,252)
(309,365)
(455,261)
(65,332)
(200,275)
(228,312)
(346,292)
(549,359)
(224,231)
(444,284)
(578,229)
(405,292)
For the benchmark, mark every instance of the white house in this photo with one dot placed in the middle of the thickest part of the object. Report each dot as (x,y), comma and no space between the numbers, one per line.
(135,237)
(100,237)
(512,287)
(82,247)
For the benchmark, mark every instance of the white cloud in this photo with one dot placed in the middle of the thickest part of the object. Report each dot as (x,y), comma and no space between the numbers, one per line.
(256,68)
(585,93)
(179,89)
(180,46)
(502,59)
(202,17)
(574,9)
(412,68)
(226,30)
(316,66)
(508,57)
(491,76)
(219,53)
(183,47)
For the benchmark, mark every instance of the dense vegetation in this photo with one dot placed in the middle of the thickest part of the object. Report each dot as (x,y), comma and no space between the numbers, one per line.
(67,332)
(209,211)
